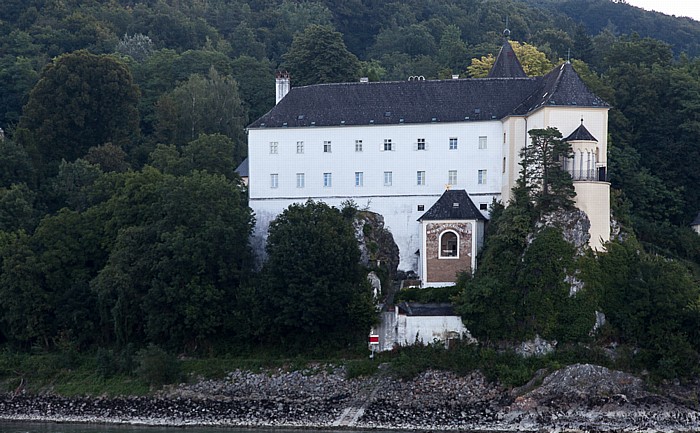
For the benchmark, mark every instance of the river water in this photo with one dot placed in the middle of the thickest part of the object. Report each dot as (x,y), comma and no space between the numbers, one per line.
(22,427)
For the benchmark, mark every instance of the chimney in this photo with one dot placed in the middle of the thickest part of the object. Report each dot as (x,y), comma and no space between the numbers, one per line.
(282,85)
(455,76)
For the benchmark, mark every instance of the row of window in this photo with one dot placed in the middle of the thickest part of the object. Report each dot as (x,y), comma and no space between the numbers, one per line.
(388,178)
(387,146)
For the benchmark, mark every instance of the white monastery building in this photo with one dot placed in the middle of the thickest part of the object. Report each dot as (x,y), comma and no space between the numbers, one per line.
(428,155)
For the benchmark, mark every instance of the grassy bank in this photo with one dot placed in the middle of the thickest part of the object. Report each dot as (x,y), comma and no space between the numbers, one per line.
(142,372)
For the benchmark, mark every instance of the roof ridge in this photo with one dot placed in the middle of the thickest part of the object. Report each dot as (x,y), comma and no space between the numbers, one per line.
(557,82)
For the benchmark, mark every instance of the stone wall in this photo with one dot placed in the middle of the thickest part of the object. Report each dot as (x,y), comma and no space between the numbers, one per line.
(440,270)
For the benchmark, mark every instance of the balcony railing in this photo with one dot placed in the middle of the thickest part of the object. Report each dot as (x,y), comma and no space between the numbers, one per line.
(598,174)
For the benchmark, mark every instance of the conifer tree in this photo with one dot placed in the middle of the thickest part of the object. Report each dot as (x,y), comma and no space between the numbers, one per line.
(548,185)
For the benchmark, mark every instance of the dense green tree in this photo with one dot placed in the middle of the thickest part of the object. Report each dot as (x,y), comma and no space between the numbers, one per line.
(180,253)
(452,52)
(314,289)
(25,308)
(650,303)
(202,105)
(17,77)
(255,80)
(216,154)
(18,208)
(44,282)
(413,40)
(318,55)
(108,157)
(69,187)
(81,100)
(15,164)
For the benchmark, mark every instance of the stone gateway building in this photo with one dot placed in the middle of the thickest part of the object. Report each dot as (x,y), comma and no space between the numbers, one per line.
(428,155)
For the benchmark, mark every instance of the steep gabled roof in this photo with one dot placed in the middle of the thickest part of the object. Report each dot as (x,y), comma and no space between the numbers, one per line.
(696,222)
(561,87)
(580,134)
(507,64)
(454,204)
(242,169)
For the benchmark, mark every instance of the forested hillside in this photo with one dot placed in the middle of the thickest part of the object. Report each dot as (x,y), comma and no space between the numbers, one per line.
(124,121)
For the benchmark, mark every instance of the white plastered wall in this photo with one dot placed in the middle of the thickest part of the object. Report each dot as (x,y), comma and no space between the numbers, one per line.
(398,202)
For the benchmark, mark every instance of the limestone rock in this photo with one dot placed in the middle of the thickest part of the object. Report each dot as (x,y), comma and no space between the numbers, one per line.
(377,246)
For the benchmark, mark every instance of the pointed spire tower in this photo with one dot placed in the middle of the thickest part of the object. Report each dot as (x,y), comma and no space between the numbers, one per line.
(507,64)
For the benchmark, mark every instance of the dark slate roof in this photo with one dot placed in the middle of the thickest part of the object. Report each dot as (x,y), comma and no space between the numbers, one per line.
(242,169)
(580,134)
(507,64)
(418,309)
(561,87)
(454,204)
(696,222)
(396,102)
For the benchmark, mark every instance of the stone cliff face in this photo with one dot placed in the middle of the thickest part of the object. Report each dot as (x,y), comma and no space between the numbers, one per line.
(377,246)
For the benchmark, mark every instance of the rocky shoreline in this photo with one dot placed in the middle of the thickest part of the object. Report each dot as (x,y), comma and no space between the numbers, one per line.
(577,398)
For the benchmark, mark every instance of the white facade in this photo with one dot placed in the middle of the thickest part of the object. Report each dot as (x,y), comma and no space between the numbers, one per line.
(335,164)
(350,162)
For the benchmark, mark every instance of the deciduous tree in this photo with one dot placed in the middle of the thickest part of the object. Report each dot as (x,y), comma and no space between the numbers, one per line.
(315,292)
(81,100)
(318,55)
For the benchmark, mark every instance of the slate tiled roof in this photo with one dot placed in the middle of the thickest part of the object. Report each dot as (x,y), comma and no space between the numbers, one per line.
(507,64)
(561,87)
(242,169)
(454,204)
(696,222)
(419,309)
(427,101)
(580,134)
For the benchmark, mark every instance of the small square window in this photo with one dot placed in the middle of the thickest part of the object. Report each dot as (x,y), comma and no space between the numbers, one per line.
(388,178)
(388,145)
(327,180)
(453,143)
(483,206)
(274,180)
(452,177)
(326,147)
(483,143)
(482,177)
(358,145)
(421,207)
(420,144)
(300,147)
(274,147)
(301,181)
(420,178)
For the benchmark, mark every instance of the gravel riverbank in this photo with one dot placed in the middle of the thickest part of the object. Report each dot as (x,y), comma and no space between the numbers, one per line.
(579,397)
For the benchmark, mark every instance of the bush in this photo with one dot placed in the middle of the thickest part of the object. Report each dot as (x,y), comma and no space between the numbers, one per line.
(429,294)
(365,367)
(156,367)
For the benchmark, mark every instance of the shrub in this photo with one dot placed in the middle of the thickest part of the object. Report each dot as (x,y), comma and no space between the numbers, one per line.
(156,367)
